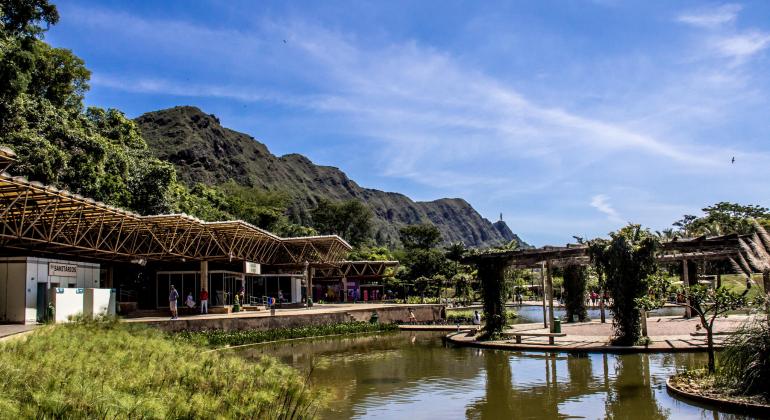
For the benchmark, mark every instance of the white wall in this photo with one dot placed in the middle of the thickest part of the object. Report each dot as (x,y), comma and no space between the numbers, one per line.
(68,302)
(21,276)
(99,302)
(12,289)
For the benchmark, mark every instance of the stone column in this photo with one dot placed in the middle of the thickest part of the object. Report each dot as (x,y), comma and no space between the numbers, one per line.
(204,275)
(309,281)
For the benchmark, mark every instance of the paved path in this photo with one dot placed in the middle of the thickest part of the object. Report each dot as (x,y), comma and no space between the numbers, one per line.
(668,334)
(10,330)
(316,309)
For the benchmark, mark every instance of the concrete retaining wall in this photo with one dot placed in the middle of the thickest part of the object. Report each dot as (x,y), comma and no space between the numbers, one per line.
(423,313)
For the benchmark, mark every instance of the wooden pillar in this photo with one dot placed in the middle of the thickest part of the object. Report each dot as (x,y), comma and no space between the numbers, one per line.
(345,289)
(686,284)
(542,285)
(550,294)
(601,299)
(204,275)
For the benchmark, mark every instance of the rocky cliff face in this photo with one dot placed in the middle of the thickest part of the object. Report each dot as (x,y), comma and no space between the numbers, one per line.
(204,151)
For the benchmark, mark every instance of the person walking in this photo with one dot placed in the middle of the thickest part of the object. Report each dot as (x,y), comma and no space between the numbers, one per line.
(204,298)
(173,296)
(476,318)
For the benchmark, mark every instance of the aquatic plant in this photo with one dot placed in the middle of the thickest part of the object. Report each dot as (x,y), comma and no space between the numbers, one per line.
(744,365)
(107,369)
(220,338)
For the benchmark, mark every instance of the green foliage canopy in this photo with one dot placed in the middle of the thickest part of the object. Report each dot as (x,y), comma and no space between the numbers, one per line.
(349,219)
(422,236)
(627,260)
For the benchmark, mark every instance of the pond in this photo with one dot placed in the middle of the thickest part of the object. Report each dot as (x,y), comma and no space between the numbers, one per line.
(416,375)
(534,313)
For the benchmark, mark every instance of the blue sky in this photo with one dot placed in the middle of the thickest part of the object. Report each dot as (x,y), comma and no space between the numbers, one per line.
(568,117)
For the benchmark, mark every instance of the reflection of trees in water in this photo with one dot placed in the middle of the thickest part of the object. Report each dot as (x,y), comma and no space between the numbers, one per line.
(631,395)
(503,400)
(629,391)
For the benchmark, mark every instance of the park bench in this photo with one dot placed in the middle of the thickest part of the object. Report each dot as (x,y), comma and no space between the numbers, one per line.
(703,333)
(517,335)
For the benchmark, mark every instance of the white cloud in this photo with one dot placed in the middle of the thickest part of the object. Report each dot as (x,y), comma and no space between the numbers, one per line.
(712,17)
(743,45)
(434,118)
(601,202)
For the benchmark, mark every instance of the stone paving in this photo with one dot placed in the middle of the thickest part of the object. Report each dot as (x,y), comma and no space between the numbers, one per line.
(668,334)
(10,330)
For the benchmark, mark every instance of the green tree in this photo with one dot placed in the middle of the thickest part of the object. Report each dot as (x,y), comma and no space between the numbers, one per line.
(723,218)
(96,153)
(575,280)
(627,260)
(422,236)
(351,219)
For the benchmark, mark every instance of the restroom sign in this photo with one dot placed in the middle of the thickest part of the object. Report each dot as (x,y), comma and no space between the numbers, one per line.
(62,270)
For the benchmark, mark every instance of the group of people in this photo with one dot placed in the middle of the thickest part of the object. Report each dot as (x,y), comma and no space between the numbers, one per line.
(594,299)
(173,297)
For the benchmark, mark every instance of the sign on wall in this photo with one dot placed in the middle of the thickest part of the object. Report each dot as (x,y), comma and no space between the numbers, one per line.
(252,268)
(62,270)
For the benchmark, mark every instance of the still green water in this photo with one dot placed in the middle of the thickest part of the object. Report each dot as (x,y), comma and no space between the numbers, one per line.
(406,375)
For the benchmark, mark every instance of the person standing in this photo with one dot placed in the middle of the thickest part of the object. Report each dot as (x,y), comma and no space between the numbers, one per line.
(476,318)
(204,297)
(173,296)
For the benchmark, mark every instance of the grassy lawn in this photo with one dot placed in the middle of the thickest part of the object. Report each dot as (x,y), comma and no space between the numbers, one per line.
(116,370)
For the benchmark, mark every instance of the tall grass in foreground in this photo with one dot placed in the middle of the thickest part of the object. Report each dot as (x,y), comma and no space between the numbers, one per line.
(745,361)
(112,370)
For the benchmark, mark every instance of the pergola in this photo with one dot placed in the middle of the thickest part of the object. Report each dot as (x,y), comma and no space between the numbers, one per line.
(35,217)
(702,248)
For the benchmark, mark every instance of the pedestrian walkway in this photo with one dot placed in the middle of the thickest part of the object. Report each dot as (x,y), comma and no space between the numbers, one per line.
(316,309)
(10,330)
(667,334)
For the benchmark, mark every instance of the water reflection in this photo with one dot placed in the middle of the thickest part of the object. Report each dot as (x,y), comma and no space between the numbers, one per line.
(416,375)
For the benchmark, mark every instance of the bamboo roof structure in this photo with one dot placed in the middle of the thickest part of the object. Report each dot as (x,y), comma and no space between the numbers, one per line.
(355,269)
(699,248)
(35,217)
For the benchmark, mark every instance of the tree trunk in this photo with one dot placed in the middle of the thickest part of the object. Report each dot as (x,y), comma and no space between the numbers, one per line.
(710,343)
(601,299)
(601,306)
(644,322)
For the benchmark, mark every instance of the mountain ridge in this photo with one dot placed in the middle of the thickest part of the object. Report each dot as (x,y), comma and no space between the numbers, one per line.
(204,151)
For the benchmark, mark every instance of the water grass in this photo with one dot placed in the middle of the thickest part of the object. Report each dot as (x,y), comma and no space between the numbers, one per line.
(114,370)
(466,315)
(221,338)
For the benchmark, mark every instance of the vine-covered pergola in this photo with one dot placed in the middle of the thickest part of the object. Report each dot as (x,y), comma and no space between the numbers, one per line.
(493,263)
